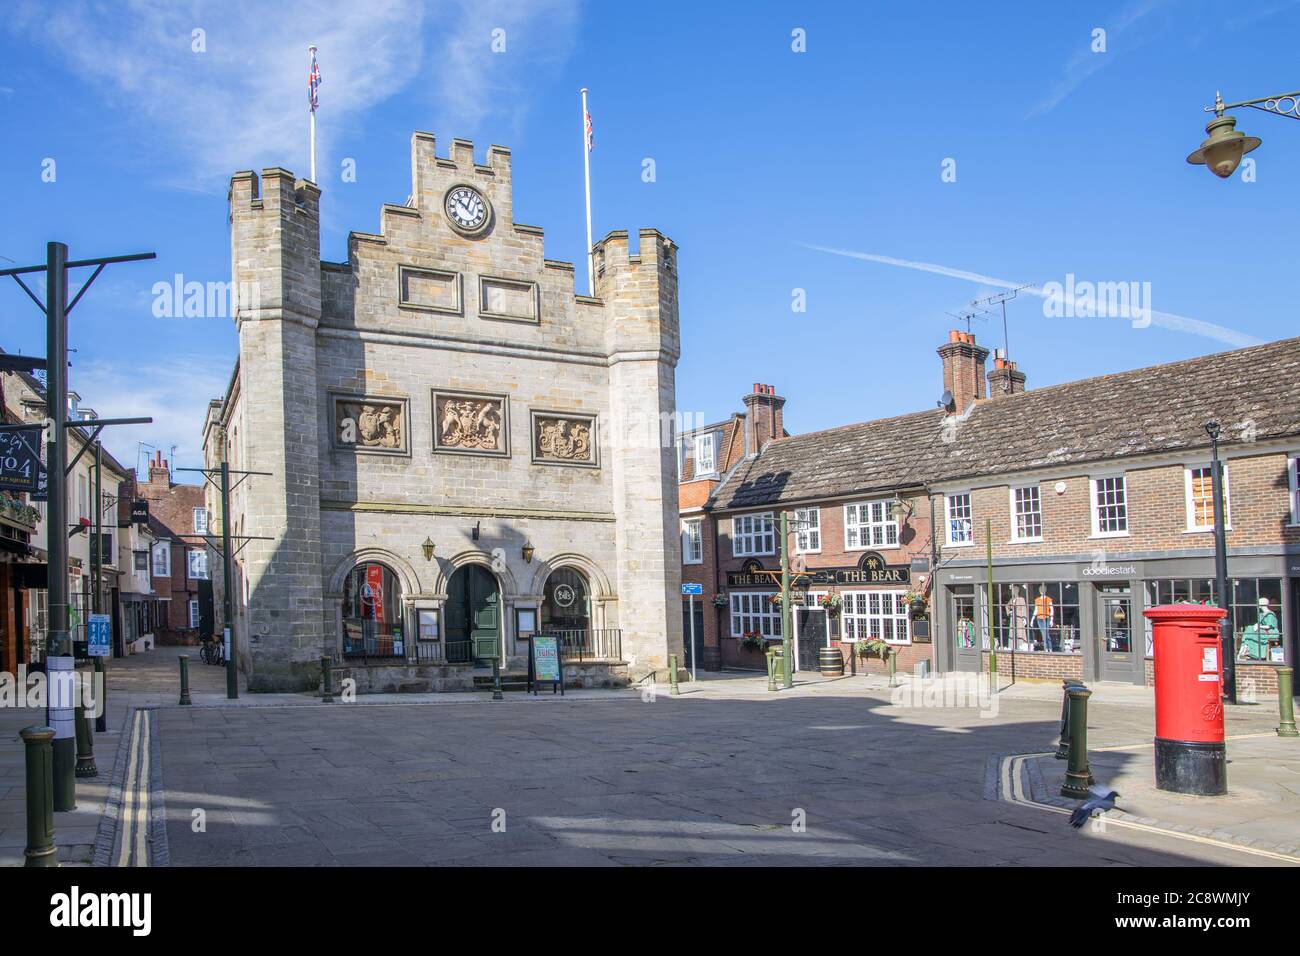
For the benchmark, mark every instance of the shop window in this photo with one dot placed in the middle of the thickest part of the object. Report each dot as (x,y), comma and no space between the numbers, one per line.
(754,613)
(960,530)
(1175,591)
(752,534)
(372,613)
(879,614)
(1036,616)
(1026,514)
(868,524)
(1256,618)
(808,530)
(194,614)
(692,542)
(1109,506)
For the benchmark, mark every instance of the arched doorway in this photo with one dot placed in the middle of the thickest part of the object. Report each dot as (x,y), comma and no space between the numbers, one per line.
(473,616)
(372,612)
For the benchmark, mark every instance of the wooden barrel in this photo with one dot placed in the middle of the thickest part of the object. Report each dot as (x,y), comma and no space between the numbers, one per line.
(832,662)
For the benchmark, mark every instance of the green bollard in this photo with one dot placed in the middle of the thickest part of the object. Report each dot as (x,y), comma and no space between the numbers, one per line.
(893,668)
(1078,777)
(327,679)
(85,746)
(40,849)
(1285,704)
(1063,747)
(496,679)
(672,673)
(771,671)
(185,680)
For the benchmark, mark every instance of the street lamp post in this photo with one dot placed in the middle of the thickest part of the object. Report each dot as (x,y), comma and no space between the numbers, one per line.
(1221,567)
(1225,145)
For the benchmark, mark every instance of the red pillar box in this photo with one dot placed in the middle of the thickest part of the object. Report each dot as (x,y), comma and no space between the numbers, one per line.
(1190,756)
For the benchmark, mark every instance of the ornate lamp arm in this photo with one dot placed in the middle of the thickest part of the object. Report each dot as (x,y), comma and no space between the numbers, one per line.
(1285,104)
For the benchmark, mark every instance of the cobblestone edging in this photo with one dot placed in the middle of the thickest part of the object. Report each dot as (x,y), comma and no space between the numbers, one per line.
(106,835)
(109,834)
(159,852)
(1039,791)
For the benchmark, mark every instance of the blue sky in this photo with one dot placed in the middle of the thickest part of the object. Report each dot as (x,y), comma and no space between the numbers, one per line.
(775,171)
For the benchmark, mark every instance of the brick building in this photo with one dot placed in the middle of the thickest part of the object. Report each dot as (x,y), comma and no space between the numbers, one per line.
(178,555)
(461,449)
(1097,493)
(704,456)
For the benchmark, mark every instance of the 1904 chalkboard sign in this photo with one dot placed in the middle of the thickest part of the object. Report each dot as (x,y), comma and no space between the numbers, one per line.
(20,459)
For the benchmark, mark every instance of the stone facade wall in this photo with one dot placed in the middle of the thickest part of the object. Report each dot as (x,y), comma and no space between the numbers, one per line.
(447,385)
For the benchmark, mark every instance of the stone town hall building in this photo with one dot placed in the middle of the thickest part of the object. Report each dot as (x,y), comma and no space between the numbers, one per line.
(462,450)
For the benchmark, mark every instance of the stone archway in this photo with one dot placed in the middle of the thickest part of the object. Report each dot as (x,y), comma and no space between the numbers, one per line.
(473,615)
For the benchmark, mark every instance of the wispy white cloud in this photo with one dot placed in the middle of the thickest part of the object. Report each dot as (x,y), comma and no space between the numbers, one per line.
(1167,320)
(242,102)
(1084,63)
(175,393)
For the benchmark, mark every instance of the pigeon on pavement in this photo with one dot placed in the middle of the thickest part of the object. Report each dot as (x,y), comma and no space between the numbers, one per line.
(1103,799)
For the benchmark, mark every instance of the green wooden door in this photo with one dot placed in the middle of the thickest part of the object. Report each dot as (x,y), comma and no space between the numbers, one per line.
(484,606)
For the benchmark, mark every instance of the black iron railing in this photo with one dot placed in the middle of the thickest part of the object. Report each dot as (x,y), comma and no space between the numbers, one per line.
(444,652)
(591,644)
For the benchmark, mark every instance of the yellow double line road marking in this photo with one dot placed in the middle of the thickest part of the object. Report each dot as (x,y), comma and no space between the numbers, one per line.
(1013,791)
(133,824)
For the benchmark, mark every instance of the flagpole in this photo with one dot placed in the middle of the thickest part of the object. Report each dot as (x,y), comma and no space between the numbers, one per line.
(586,169)
(311,55)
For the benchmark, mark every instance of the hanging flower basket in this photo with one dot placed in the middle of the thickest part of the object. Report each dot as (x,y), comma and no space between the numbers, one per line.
(831,603)
(916,603)
(720,600)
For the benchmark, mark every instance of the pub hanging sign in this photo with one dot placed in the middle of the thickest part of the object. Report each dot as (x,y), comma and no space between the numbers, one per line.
(871,569)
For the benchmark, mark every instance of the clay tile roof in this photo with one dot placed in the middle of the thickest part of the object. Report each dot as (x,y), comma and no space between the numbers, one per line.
(1253,392)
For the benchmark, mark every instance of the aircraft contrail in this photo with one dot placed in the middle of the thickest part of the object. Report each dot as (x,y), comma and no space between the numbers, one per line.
(1167,320)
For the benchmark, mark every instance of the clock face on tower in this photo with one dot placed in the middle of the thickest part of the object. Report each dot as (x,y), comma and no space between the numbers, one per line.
(466,209)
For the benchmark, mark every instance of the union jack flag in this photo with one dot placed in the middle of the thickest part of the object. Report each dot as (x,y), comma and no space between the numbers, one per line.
(591,138)
(313,81)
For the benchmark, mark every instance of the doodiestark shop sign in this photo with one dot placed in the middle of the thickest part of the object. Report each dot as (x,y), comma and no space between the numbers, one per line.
(870,569)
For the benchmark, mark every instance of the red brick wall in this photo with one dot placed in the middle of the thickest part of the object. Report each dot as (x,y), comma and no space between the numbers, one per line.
(1259,512)
(171,512)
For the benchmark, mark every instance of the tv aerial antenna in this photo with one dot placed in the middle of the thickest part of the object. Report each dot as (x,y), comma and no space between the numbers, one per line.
(965,315)
(1001,298)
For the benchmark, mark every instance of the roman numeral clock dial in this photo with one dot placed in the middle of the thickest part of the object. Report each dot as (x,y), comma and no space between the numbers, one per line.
(466,209)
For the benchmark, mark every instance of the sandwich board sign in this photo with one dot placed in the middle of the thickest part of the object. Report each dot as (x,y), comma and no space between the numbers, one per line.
(545,663)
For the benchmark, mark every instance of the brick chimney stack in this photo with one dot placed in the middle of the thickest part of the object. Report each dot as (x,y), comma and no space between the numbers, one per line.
(159,473)
(763,418)
(963,369)
(1004,377)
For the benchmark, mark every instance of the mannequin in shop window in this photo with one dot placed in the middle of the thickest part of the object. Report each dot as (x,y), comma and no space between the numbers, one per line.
(1017,609)
(1256,639)
(1043,617)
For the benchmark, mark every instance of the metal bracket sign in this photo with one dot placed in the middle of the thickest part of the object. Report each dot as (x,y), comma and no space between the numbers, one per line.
(99,636)
(545,663)
(20,459)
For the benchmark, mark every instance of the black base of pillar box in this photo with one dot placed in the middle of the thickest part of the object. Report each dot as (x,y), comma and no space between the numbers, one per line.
(1183,766)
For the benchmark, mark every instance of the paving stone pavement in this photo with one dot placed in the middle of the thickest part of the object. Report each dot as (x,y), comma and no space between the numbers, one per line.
(720,775)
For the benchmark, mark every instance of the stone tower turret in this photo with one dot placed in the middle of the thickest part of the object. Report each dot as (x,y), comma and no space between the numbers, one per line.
(275,262)
(643,342)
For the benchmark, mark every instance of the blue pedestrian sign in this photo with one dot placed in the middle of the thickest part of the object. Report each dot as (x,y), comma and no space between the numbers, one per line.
(692,589)
(98,636)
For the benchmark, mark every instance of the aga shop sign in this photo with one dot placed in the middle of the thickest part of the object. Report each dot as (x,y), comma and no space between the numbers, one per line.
(870,569)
